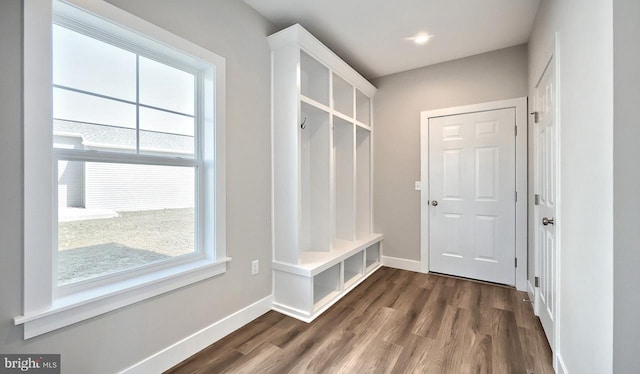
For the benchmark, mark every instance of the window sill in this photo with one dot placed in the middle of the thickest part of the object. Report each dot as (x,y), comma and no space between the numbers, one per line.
(81,306)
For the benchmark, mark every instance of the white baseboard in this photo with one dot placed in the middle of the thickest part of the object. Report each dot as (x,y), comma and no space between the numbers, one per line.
(562,368)
(191,345)
(402,263)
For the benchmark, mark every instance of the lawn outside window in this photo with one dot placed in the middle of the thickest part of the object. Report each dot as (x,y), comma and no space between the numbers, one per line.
(124,162)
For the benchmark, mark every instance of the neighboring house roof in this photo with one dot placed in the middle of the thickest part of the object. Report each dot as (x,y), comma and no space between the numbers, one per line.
(105,136)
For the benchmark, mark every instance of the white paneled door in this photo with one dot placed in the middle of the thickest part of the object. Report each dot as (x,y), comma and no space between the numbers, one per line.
(545,199)
(472,195)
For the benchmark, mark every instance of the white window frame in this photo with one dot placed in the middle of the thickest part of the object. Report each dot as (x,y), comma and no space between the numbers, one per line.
(46,306)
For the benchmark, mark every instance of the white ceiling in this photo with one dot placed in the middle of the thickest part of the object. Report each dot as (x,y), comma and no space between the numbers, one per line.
(370,34)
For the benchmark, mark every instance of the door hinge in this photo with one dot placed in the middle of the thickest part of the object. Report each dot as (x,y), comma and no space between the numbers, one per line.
(536,282)
(516,196)
(536,199)
(516,130)
(516,262)
(536,116)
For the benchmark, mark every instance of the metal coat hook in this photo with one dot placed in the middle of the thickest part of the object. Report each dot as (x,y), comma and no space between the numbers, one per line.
(302,125)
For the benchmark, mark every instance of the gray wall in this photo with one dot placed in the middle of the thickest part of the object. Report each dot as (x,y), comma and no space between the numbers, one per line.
(10,173)
(626,181)
(235,31)
(400,98)
(585,32)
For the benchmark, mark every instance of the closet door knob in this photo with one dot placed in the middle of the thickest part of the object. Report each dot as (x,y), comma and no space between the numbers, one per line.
(434,203)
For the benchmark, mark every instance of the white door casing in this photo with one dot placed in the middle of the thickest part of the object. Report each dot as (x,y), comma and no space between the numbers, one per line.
(546,198)
(466,202)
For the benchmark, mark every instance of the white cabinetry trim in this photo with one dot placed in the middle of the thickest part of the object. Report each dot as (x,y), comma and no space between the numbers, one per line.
(322,166)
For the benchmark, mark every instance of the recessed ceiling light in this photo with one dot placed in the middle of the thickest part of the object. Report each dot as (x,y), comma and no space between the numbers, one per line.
(421,38)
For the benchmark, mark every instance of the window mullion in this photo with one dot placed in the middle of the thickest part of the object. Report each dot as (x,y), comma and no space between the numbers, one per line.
(84,92)
(200,177)
(89,93)
(137,103)
(121,158)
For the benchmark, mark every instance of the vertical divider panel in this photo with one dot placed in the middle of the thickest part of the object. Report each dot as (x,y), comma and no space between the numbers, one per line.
(286,155)
(332,165)
(315,144)
(363,182)
(344,166)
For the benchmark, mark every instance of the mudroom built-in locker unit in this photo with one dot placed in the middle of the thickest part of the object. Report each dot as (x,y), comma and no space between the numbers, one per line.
(322,133)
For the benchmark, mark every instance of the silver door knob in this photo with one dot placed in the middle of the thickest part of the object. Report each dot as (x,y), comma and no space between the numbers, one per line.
(547,221)
(434,203)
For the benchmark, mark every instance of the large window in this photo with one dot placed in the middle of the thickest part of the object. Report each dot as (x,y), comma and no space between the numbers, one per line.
(118,211)
(131,203)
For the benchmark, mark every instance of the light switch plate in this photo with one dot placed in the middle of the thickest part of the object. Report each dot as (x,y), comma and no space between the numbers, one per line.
(418,185)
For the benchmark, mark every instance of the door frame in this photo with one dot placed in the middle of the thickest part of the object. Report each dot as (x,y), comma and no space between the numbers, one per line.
(520,105)
(552,55)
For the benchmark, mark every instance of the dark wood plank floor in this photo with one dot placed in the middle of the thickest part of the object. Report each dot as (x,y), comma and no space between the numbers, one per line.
(394,322)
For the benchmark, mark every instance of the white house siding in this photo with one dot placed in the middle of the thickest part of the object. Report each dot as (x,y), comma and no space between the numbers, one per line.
(70,174)
(123,187)
(70,181)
